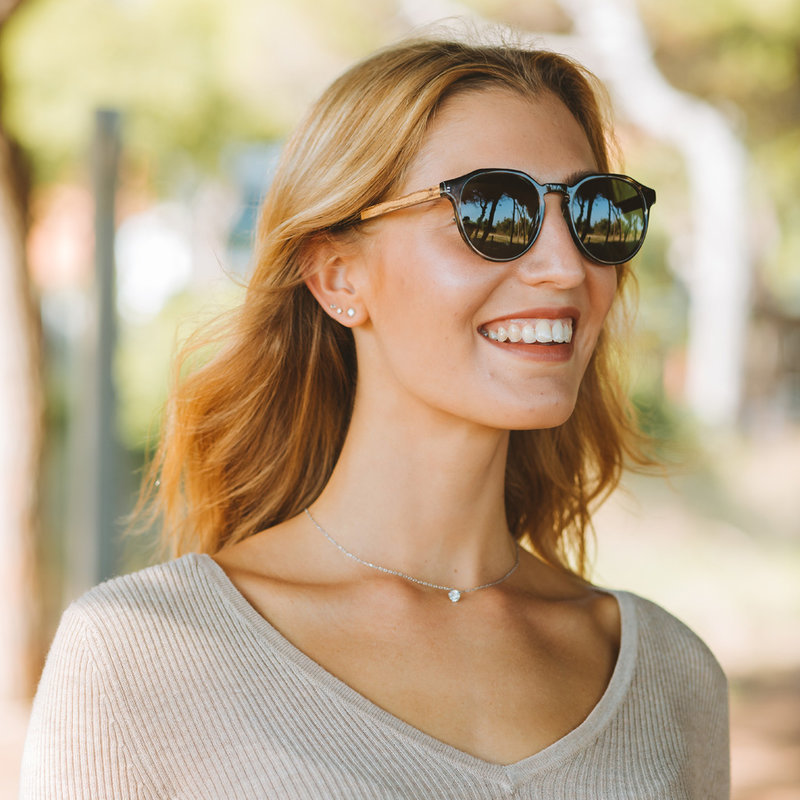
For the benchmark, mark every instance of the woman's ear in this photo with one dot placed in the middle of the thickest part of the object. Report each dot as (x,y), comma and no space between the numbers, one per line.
(331,264)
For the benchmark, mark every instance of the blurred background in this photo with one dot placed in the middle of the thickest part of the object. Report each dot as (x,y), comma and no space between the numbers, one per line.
(136,138)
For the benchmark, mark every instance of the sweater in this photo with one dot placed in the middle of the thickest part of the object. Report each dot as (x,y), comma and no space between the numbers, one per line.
(167,683)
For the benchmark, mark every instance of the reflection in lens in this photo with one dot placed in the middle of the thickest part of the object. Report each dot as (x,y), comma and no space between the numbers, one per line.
(499,213)
(609,218)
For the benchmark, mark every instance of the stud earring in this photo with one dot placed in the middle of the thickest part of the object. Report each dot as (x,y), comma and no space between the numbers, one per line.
(335,308)
(351,312)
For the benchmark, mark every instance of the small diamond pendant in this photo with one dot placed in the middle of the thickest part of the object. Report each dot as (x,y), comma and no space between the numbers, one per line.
(454,595)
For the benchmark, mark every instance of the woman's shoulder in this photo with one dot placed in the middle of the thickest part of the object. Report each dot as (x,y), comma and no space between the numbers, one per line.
(156,624)
(666,643)
(153,584)
(184,591)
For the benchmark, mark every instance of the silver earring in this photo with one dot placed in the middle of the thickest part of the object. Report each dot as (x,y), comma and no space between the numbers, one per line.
(351,312)
(336,308)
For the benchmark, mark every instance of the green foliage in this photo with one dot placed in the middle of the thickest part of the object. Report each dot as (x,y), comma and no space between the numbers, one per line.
(189,75)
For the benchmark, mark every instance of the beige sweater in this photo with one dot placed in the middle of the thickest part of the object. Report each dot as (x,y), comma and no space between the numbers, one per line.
(168,684)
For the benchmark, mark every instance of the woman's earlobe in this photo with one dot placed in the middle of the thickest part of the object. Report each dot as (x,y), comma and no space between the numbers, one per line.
(329,282)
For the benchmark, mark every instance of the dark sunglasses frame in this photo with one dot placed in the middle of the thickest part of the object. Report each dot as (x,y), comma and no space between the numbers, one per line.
(452,190)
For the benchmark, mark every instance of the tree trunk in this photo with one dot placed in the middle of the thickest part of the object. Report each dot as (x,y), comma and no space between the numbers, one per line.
(21,429)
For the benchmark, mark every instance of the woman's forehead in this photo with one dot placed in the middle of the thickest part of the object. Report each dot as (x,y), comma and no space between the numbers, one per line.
(499,127)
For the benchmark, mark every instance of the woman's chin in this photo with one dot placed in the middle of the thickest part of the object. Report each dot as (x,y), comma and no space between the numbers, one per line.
(538,418)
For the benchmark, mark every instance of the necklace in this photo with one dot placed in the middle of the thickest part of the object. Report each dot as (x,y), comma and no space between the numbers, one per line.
(453,593)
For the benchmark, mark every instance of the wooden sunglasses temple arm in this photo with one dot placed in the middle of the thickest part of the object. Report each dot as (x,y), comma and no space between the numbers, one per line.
(422,196)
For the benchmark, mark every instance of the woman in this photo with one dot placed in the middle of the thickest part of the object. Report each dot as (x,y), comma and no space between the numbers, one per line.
(419,379)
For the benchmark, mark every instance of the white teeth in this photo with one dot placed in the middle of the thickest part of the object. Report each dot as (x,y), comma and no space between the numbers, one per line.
(542,331)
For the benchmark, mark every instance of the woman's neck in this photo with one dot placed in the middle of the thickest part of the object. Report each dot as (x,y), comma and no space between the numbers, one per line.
(423,498)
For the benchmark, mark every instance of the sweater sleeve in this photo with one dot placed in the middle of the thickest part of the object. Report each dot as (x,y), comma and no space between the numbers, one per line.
(73,748)
(710,736)
(685,679)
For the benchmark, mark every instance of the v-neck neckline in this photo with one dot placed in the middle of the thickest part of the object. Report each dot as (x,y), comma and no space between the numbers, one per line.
(513,773)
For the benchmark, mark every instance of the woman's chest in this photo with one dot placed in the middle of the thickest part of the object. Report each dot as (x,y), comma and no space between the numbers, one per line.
(498,688)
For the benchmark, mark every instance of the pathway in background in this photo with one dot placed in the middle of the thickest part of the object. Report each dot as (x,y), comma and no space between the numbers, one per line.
(765,736)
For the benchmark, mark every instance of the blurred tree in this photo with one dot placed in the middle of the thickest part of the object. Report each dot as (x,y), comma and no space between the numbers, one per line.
(21,416)
(745,58)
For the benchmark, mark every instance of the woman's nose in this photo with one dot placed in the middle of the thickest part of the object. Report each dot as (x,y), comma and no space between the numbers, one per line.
(554,257)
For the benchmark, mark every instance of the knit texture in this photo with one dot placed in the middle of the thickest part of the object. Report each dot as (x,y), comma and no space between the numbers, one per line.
(168,684)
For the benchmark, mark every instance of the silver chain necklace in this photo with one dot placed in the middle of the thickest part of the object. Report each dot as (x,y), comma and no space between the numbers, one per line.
(453,593)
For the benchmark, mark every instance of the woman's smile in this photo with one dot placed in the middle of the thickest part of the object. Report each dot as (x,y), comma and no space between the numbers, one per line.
(532,331)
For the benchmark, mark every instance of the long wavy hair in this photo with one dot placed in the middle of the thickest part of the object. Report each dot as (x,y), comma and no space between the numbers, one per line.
(251,436)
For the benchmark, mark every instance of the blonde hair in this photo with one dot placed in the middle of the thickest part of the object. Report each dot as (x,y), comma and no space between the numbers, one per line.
(251,437)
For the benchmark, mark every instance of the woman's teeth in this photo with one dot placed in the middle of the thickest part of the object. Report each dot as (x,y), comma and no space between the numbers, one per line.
(539,331)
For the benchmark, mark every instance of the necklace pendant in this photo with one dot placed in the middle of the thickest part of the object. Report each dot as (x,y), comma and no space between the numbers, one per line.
(454,595)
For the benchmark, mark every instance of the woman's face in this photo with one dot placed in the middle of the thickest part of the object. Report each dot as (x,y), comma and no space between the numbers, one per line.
(431,301)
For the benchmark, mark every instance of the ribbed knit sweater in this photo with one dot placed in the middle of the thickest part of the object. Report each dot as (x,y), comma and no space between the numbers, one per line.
(168,684)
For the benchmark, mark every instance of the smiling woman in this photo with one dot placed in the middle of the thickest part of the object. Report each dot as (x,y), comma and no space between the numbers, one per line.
(380,486)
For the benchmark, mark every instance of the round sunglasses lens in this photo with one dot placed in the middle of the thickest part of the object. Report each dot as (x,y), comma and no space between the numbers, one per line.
(499,212)
(609,218)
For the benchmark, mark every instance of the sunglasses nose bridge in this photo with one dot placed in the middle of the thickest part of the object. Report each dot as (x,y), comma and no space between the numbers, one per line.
(558,188)
(555,188)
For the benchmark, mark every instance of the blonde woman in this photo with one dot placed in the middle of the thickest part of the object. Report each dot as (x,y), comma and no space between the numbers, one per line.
(379,487)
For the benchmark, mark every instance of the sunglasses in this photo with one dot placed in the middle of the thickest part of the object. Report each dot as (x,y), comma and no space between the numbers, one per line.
(499,212)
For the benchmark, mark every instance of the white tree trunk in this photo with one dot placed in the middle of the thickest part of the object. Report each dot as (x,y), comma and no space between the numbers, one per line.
(20,440)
